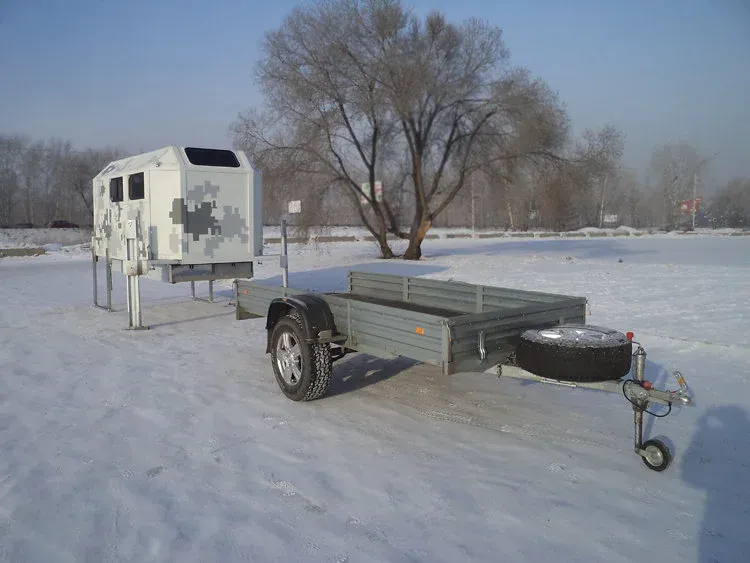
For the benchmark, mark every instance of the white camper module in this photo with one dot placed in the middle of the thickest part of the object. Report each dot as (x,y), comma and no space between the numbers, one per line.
(180,214)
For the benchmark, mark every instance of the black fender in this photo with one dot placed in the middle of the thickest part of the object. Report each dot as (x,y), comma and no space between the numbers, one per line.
(316,315)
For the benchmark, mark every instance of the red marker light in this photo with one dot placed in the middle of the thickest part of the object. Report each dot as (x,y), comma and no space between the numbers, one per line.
(630,335)
(646,385)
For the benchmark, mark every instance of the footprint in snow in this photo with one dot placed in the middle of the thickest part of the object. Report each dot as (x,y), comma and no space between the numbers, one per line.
(154,471)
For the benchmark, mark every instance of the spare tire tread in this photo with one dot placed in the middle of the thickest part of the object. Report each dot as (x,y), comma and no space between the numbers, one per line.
(568,359)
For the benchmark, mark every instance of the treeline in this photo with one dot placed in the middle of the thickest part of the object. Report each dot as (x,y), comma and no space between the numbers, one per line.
(46,180)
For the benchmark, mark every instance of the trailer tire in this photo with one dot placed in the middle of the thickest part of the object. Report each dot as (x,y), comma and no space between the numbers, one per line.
(576,353)
(303,370)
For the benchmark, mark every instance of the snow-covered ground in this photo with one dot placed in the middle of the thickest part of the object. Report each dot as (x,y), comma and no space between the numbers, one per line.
(53,239)
(175,444)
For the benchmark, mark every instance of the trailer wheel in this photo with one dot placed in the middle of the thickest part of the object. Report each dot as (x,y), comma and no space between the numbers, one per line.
(577,353)
(303,371)
(657,456)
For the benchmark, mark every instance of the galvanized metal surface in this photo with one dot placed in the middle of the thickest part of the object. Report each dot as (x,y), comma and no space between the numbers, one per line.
(454,325)
(502,329)
(457,296)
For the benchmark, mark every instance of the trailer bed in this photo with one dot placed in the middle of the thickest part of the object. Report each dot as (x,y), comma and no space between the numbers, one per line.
(402,305)
(454,325)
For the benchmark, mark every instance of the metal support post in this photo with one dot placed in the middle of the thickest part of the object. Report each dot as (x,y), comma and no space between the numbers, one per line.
(93,264)
(638,407)
(132,273)
(108,270)
(284,260)
(210,292)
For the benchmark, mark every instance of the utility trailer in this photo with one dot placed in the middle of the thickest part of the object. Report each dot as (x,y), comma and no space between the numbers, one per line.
(457,327)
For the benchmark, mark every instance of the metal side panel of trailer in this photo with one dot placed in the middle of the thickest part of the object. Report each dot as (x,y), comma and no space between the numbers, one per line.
(454,325)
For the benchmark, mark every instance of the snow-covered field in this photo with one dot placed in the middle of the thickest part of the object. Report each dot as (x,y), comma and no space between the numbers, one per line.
(54,239)
(175,444)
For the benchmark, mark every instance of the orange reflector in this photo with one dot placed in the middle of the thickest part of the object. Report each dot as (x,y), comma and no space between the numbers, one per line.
(420,330)
(244,291)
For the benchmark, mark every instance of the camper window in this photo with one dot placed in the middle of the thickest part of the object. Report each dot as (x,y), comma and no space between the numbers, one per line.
(212,157)
(115,189)
(136,187)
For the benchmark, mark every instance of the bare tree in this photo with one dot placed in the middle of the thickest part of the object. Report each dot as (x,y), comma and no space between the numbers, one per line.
(325,115)
(674,166)
(45,180)
(730,207)
(573,189)
(11,153)
(357,90)
(79,170)
(461,105)
(32,170)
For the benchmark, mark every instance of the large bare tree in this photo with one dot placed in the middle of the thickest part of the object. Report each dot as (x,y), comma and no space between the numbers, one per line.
(327,121)
(359,91)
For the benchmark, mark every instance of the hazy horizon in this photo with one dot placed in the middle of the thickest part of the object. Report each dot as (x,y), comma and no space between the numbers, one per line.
(144,75)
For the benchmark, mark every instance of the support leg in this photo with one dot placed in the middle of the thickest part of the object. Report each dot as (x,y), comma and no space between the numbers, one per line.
(93,268)
(638,420)
(638,407)
(109,282)
(135,321)
(210,292)
(284,256)
(654,453)
(108,279)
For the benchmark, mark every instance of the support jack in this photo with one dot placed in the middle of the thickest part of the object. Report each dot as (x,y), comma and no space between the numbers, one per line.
(210,292)
(654,453)
(132,272)
(94,263)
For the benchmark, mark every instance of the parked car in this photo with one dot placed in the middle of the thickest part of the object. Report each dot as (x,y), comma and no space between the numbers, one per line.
(60,224)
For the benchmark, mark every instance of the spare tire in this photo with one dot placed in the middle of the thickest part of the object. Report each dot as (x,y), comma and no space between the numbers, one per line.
(577,353)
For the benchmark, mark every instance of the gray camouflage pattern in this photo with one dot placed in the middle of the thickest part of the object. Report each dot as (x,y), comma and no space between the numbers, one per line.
(205,221)
(200,217)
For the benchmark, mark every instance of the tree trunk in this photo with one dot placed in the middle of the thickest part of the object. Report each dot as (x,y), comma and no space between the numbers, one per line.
(510,214)
(385,250)
(414,250)
(382,237)
(86,203)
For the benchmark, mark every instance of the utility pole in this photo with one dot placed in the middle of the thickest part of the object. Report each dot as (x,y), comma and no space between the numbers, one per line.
(601,208)
(695,183)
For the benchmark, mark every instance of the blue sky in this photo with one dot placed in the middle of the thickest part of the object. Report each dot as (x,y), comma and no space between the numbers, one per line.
(141,75)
